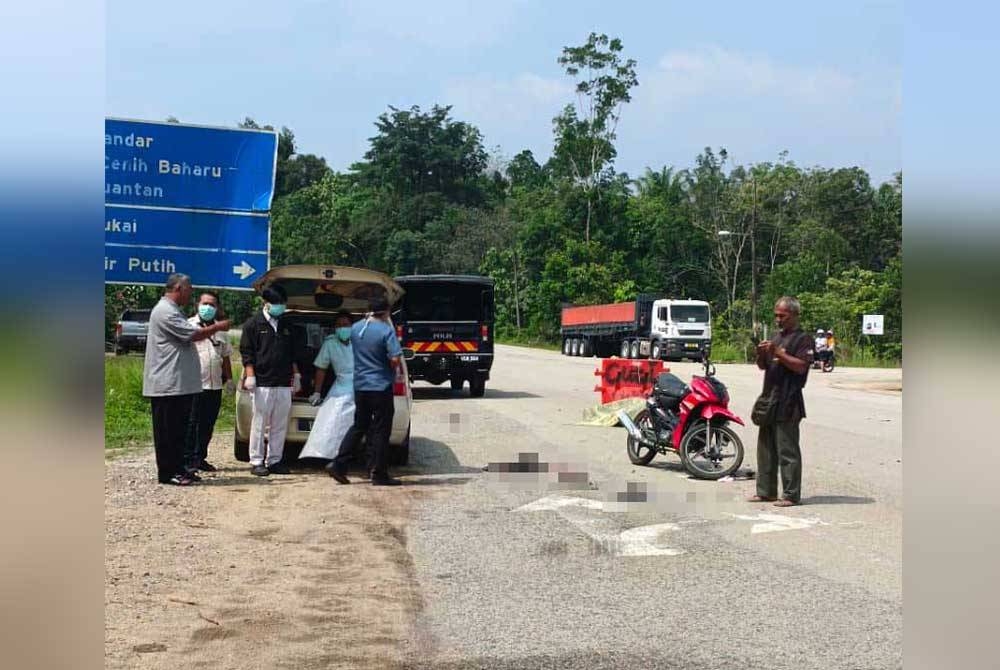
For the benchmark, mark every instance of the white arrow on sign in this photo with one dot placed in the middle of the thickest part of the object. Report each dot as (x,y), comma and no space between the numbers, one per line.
(244,270)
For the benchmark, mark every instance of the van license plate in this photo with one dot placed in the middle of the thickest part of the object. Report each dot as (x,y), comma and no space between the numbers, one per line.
(691,345)
(469,358)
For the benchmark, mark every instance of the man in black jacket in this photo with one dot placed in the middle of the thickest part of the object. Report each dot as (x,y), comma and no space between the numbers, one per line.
(272,377)
(786,359)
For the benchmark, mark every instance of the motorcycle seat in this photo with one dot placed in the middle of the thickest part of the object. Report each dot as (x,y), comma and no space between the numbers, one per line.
(669,385)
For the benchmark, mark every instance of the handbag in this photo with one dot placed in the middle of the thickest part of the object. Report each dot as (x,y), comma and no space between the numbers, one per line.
(765,409)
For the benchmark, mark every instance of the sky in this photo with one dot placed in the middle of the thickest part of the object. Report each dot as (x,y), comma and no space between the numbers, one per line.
(820,80)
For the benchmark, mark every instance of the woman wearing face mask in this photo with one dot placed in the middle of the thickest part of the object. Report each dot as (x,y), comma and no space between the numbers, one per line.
(337,411)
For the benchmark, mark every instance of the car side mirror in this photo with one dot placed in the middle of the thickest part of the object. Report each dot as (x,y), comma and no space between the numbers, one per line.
(408,354)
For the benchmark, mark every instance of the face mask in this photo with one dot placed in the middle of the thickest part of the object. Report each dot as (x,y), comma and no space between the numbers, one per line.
(206,312)
(344,333)
(276,310)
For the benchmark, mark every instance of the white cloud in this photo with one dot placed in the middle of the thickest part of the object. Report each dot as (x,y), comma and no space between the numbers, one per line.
(713,70)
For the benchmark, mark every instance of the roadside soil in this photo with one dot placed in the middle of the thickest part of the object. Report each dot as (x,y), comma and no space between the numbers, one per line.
(243,572)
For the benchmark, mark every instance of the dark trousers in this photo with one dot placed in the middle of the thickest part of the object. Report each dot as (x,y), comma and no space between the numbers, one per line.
(174,433)
(778,449)
(209,403)
(373,412)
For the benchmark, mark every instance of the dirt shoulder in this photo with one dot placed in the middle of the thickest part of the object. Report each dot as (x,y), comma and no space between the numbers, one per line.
(243,572)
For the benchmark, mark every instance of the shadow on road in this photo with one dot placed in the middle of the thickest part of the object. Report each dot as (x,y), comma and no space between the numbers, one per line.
(837,500)
(436,393)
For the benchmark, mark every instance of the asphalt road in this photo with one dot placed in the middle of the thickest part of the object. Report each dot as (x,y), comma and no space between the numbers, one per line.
(525,570)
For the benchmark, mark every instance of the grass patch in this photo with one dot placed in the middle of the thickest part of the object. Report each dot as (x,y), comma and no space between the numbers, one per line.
(532,342)
(128,423)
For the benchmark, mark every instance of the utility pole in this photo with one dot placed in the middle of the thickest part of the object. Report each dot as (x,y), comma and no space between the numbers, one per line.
(753,264)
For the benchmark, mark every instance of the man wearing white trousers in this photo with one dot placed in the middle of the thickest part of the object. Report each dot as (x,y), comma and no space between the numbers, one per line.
(272,376)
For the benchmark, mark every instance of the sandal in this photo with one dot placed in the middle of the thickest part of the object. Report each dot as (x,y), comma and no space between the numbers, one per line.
(760,499)
(785,502)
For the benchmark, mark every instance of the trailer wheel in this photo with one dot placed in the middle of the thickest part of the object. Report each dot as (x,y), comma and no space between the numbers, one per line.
(566,346)
(634,351)
(585,349)
(625,349)
(655,353)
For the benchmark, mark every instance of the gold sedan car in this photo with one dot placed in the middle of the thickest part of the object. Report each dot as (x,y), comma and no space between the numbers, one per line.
(316,293)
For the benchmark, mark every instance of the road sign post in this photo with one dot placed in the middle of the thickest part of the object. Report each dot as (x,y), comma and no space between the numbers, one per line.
(191,199)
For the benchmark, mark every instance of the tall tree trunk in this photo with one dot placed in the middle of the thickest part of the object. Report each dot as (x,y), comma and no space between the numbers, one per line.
(517,298)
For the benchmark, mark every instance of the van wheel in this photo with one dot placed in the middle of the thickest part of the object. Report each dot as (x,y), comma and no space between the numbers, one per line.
(456,384)
(241,449)
(401,455)
(477,387)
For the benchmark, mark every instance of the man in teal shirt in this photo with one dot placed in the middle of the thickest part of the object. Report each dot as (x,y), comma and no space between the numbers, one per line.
(377,354)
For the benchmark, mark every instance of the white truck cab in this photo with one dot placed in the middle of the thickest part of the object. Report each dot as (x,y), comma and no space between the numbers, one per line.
(681,329)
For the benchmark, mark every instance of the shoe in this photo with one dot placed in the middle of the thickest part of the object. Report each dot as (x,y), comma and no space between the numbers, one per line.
(260,471)
(386,481)
(759,499)
(179,480)
(279,469)
(205,466)
(337,475)
(192,475)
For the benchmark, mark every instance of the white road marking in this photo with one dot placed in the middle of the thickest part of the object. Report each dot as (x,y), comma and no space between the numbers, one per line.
(642,541)
(557,502)
(603,531)
(772,523)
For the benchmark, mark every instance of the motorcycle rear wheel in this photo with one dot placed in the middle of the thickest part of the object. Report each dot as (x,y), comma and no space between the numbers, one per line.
(638,452)
(828,365)
(699,464)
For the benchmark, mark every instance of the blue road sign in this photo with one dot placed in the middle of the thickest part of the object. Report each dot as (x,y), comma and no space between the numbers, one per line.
(190,167)
(223,231)
(187,199)
(207,268)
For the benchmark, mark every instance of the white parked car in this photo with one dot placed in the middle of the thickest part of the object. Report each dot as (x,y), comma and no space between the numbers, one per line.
(316,293)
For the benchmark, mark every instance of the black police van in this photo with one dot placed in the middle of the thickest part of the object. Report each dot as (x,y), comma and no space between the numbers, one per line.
(447,320)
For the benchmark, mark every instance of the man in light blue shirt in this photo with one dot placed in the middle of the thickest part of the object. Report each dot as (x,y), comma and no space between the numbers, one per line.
(377,355)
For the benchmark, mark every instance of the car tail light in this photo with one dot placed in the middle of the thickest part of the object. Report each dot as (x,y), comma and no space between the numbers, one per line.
(399,384)
(399,333)
(485,332)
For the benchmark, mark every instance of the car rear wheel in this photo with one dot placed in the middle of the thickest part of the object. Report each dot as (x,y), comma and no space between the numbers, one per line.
(400,455)
(241,449)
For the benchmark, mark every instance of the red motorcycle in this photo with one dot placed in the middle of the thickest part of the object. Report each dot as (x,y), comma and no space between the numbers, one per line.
(691,421)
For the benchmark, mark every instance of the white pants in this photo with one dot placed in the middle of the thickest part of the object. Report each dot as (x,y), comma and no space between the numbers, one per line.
(271,407)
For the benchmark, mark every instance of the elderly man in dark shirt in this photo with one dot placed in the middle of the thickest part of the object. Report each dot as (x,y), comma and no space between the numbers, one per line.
(786,359)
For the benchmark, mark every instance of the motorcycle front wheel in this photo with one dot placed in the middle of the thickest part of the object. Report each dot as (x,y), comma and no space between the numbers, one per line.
(639,452)
(719,459)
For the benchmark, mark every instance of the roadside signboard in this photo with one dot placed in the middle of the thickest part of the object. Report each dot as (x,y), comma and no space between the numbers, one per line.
(872,324)
(191,199)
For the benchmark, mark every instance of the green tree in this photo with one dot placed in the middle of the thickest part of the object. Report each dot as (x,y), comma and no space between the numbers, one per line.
(585,134)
